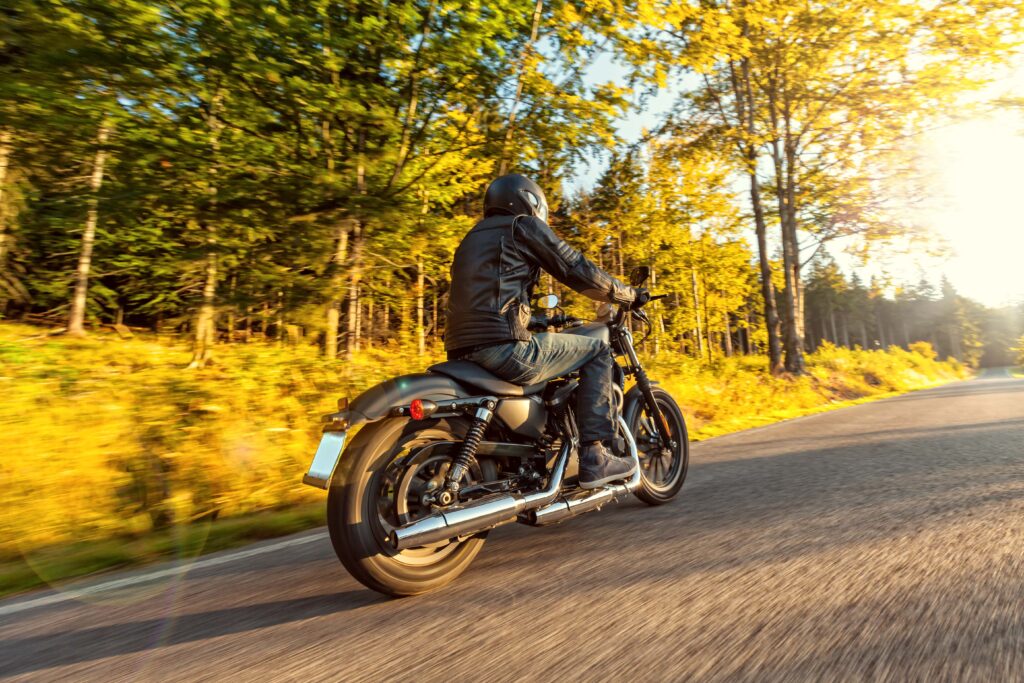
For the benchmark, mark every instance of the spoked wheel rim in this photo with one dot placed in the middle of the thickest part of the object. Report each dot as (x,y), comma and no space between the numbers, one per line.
(398,492)
(660,466)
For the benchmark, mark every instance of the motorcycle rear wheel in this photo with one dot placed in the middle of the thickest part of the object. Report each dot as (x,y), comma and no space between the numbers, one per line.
(376,488)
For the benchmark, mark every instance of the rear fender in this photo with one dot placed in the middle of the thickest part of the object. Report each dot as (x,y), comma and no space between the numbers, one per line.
(370,406)
(377,401)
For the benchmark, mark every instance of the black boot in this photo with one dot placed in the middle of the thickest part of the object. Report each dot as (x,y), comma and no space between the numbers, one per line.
(599,466)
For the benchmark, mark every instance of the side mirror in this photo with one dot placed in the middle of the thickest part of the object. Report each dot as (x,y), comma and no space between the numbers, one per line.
(639,275)
(548,301)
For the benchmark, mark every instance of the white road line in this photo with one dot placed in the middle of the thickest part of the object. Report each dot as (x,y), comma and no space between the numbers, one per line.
(76,593)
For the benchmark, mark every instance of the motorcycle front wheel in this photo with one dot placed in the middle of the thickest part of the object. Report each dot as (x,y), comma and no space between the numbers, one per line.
(662,468)
(379,485)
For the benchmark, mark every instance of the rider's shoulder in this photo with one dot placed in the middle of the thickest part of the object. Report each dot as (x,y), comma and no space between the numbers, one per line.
(532,223)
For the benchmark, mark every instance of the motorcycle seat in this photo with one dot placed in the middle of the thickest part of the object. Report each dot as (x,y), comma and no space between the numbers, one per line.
(471,374)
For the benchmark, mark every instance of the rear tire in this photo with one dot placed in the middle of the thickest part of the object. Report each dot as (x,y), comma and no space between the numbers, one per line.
(358,516)
(663,470)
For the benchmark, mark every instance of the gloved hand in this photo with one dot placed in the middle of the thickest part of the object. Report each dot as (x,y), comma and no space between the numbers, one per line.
(538,323)
(641,298)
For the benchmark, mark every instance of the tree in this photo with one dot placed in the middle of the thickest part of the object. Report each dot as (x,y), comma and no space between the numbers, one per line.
(832,91)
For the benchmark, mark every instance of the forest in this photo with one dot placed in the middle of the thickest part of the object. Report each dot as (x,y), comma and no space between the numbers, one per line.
(219,216)
(303,171)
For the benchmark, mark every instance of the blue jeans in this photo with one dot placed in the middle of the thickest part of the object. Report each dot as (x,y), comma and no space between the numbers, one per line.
(547,356)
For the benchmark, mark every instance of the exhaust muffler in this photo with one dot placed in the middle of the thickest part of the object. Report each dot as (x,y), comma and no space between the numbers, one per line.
(570,506)
(491,511)
(481,514)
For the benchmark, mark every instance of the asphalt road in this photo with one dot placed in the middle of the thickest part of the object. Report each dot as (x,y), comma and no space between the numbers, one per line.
(881,542)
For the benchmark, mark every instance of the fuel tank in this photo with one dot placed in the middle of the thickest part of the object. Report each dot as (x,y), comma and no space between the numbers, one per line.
(595,330)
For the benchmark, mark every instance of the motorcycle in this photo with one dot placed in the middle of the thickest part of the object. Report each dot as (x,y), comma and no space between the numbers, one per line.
(444,456)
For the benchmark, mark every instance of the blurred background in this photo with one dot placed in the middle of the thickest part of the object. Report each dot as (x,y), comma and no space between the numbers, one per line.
(218,217)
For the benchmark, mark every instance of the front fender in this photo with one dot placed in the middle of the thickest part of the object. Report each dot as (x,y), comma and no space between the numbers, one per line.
(634,395)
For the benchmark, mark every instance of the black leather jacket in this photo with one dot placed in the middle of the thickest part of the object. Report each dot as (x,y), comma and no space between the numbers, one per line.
(495,270)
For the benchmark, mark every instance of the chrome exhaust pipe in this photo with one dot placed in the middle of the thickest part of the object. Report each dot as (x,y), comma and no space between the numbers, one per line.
(580,502)
(479,515)
(570,506)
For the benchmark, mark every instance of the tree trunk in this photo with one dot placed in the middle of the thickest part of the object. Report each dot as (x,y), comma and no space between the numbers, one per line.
(337,284)
(6,145)
(783,156)
(747,350)
(421,338)
(699,330)
(864,343)
(203,341)
(359,319)
(746,112)
(333,317)
(205,329)
(791,340)
(405,323)
(232,323)
(76,319)
(657,319)
(505,159)
(436,321)
(386,315)
(370,332)
(832,325)
(355,275)
(844,330)
(727,338)
(356,270)
(280,318)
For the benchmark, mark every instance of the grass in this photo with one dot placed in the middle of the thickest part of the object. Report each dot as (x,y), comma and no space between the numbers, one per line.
(118,456)
(63,562)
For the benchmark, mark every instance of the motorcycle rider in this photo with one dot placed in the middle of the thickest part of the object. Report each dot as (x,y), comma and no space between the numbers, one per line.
(493,275)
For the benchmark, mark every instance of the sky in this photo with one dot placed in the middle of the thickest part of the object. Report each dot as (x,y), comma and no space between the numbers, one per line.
(977,206)
(974,207)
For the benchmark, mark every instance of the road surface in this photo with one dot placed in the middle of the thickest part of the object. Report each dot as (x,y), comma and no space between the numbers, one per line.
(880,542)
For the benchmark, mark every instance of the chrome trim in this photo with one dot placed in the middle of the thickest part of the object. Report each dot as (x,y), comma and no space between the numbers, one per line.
(576,504)
(482,514)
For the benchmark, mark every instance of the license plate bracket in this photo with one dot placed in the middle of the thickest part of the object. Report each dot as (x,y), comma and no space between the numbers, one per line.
(328,453)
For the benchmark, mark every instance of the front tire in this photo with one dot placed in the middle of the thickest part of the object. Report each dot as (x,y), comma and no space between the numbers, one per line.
(663,470)
(369,494)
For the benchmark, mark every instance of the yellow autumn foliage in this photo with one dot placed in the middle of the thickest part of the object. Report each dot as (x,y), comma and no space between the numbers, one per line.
(105,437)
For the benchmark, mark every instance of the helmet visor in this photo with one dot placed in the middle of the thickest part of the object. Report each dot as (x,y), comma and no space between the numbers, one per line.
(540,208)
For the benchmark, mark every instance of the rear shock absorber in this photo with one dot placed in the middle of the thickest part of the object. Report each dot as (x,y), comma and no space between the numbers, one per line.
(474,436)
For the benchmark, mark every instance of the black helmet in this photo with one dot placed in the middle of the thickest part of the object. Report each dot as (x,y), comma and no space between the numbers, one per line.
(515,195)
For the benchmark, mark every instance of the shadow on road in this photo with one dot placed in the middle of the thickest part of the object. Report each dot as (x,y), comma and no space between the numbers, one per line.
(740,514)
(749,504)
(75,646)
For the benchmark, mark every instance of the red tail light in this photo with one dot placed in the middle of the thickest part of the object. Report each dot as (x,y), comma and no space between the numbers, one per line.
(416,410)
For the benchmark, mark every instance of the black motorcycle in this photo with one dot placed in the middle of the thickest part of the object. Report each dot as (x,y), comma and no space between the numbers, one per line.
(447,455)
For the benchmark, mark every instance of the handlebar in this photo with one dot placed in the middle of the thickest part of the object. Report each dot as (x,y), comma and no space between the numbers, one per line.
(636,312)
(542,323)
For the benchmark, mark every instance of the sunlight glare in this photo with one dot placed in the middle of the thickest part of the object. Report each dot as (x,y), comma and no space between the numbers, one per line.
(976,205)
